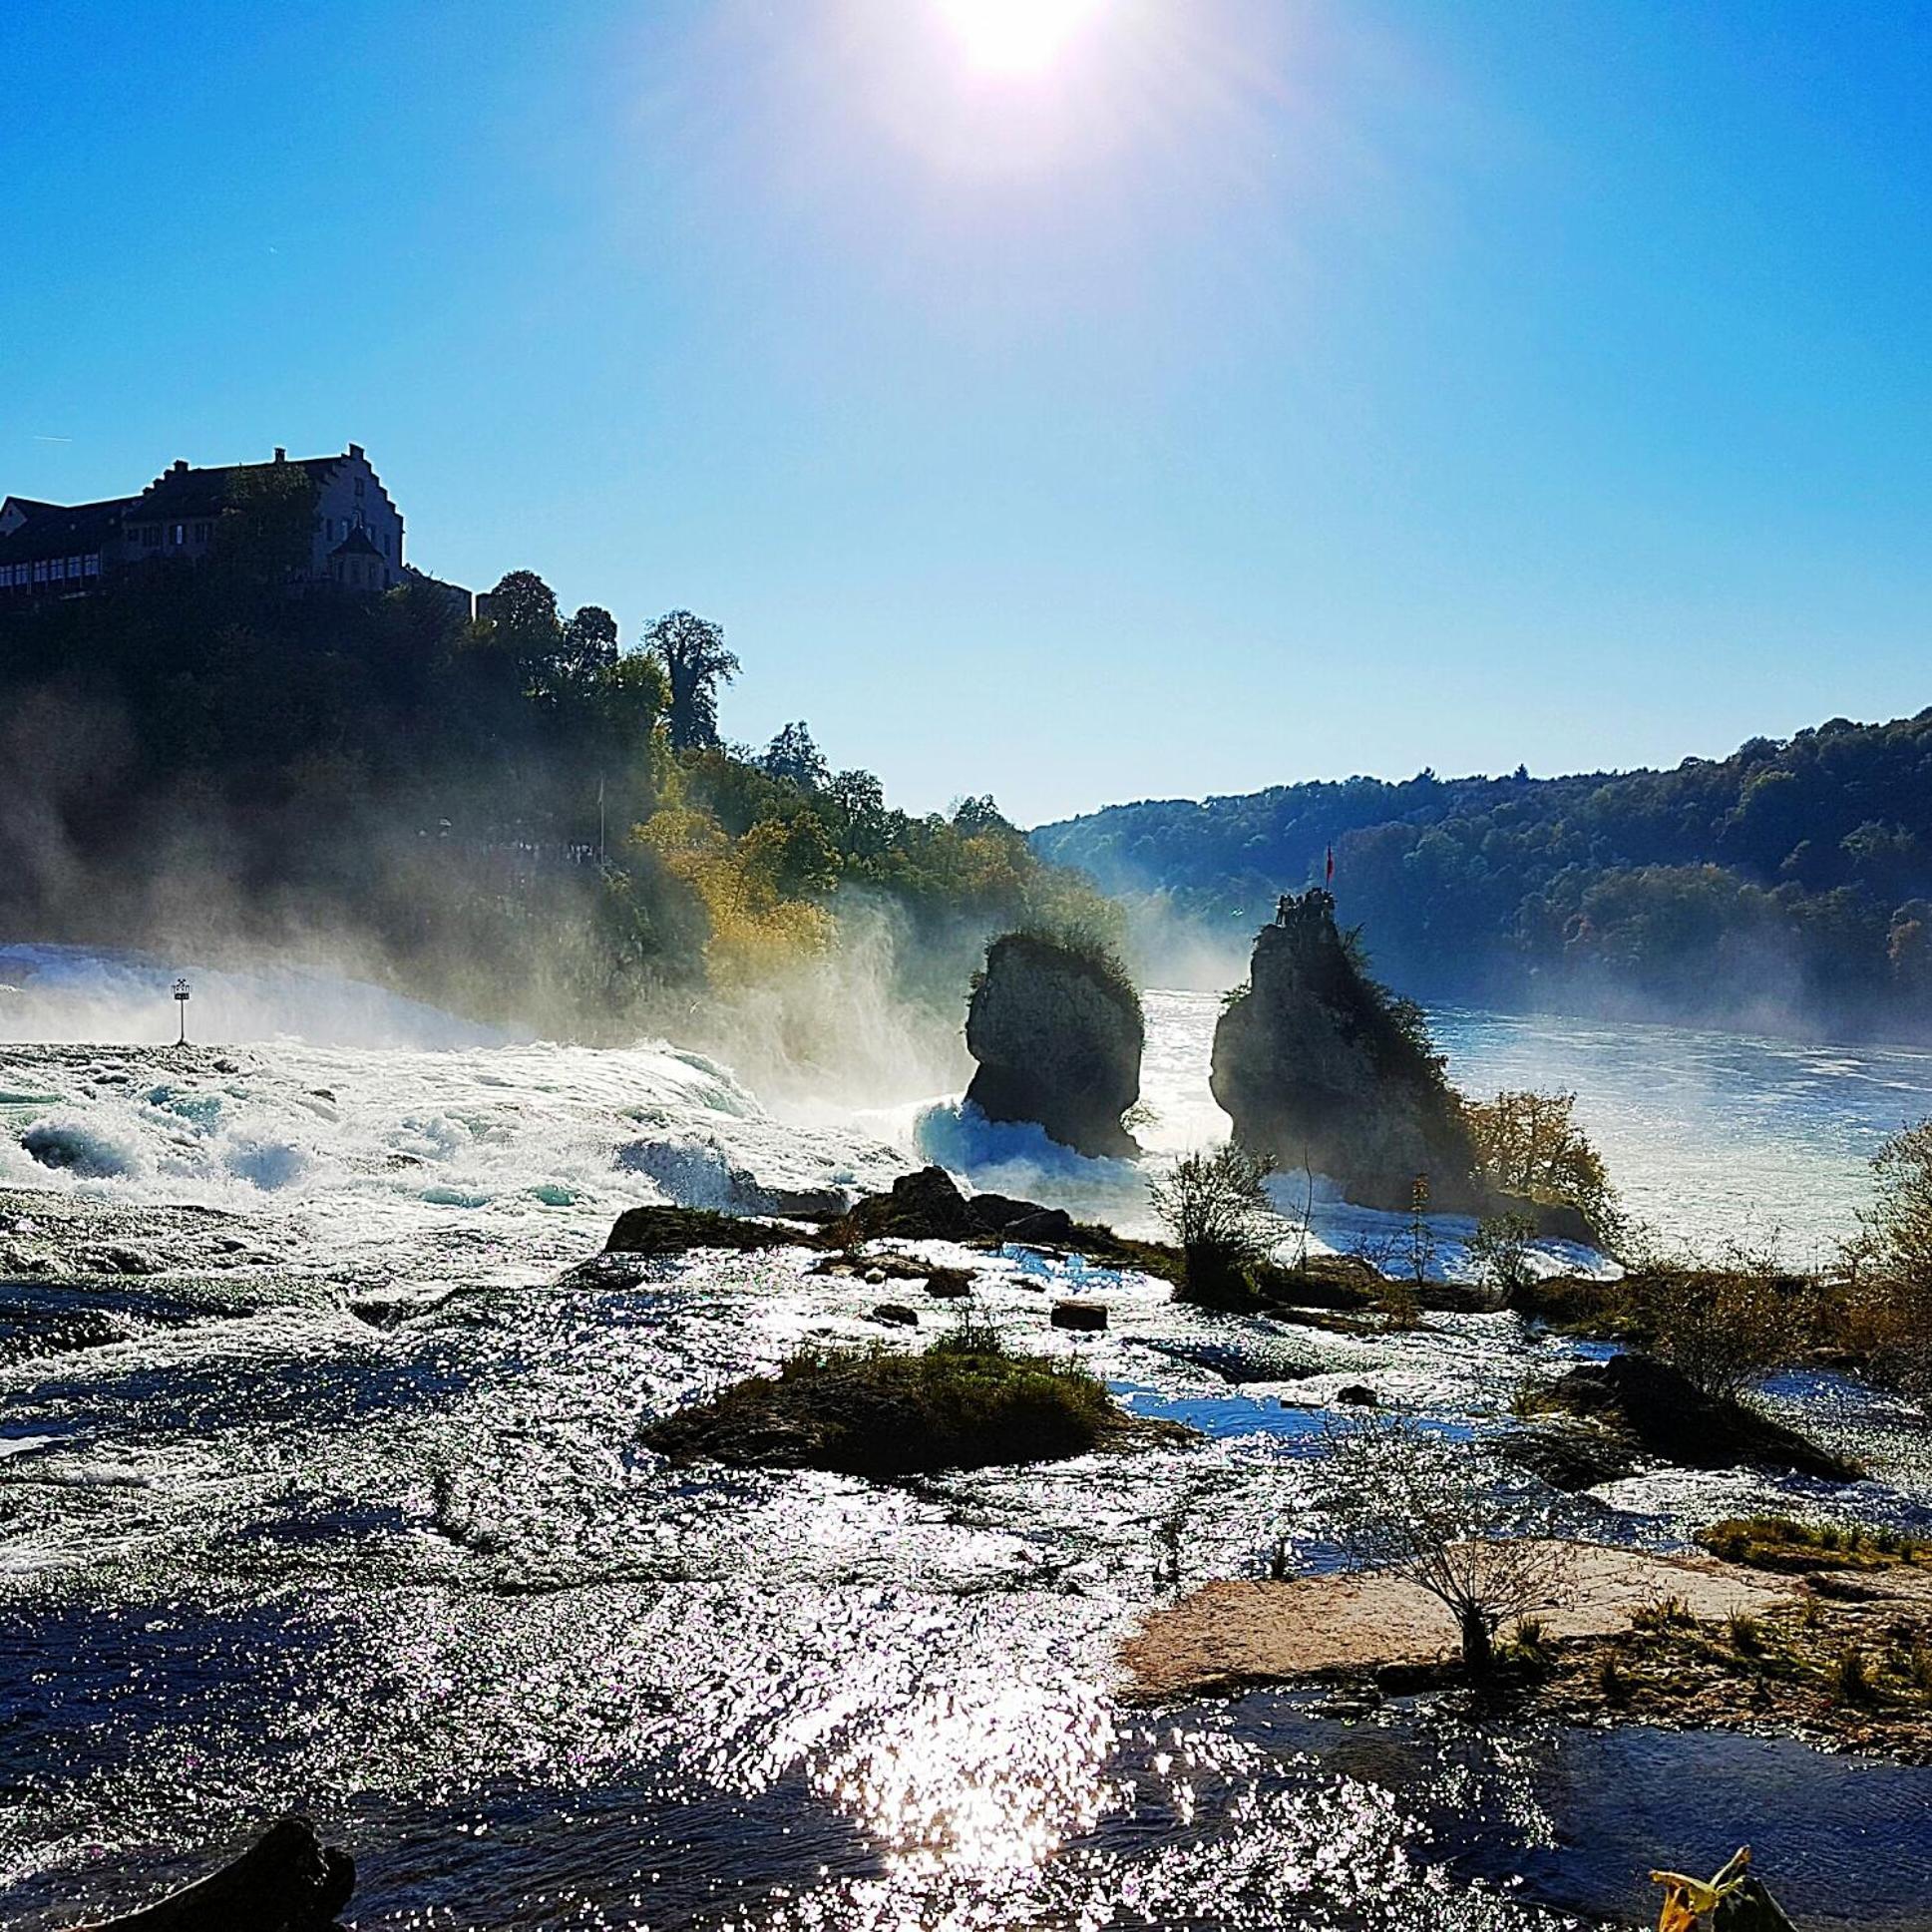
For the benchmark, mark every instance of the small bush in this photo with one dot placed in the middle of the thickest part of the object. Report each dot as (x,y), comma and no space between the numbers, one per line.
(1723,1330)
(1746,1632)
(1848,1678)
(1612,1679)
(1661,1614)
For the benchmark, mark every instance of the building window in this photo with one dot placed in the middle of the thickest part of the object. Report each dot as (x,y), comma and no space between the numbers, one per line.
(181,534)
(150,535)
(93,564)
(40,570)
(359,485)
(201,533)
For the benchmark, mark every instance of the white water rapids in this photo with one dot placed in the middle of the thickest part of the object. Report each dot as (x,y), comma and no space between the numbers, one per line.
(320,1485)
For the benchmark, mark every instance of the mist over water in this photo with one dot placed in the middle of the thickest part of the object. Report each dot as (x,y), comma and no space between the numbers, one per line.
(320,1485)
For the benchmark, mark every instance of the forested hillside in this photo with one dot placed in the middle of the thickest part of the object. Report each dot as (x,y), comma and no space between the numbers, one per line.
(515,815)
(1789,881)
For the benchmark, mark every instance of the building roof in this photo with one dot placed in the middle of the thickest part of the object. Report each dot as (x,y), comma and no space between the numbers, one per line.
(60,530)
(357,543)
(183,491)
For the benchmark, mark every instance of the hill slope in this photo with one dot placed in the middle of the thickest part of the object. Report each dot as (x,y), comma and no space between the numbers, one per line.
(1790,882)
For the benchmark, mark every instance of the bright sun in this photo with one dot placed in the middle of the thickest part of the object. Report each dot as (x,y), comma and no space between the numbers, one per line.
(1016,36)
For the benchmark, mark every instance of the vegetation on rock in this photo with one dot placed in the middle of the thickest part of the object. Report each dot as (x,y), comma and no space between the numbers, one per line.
(964,1402)
(1318,1066)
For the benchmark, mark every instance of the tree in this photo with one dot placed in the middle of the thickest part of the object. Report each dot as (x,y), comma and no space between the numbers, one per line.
(589,643)
(793,756)
(1897,1239)
(691,649)
(524,625)
(1529,1144)
(1216,1207)
(1439,1514)
(267,522)
(973,816)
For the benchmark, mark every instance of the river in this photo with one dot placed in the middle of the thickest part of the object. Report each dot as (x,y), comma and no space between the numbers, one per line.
(319,1487)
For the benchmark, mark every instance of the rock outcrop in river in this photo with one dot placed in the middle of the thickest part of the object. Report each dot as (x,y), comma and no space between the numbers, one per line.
(1057,1031)
(1317,1065)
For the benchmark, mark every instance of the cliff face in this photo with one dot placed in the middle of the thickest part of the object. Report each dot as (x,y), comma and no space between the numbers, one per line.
(1058,1039)
(1311,1065)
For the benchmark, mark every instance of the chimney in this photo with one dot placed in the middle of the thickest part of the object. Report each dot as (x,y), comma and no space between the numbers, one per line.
(355,448)
(281,455)
(180,466)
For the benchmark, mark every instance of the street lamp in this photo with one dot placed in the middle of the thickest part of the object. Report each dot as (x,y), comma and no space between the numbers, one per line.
(180,1001)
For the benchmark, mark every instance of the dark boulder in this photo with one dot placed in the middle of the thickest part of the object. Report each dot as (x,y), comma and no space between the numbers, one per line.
(675,1231)
(1316,1064)
(1085,1318)
(894,1315)
(1057,1031)
(1569,1455)
(928,1206)
(923,1206)
(1358,1395)
(287,1881)
(1664,1413)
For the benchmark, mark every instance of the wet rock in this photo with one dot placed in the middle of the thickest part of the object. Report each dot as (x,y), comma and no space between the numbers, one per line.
(928,1206)
(894,1315)
(287,1881)
(1085,1318)
(1046,1228)
(1358,1395)
(1568,1456)
(1662,1411)
(1059,1034)
(949,1284)
(110,1260)
(1315,1063)
(923,1206)
(677,1231)
(874,1277)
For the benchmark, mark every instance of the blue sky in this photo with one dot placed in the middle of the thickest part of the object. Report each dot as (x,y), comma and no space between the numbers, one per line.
(1254,392)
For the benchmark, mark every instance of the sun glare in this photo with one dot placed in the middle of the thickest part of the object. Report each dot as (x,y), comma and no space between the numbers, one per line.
(1017,37)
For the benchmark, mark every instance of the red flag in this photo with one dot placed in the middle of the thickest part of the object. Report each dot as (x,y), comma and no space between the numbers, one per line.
(1329,876)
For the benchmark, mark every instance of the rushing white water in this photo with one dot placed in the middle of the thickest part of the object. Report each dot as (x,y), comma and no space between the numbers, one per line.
(320,1485)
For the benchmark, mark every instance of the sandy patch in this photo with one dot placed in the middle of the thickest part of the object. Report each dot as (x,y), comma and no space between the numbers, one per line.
(1228,1634)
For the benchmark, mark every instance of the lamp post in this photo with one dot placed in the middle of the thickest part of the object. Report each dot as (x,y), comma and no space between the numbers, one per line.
(180,1001)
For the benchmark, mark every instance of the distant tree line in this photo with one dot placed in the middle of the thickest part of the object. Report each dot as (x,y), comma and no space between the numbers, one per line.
(515,813)
(1793,875)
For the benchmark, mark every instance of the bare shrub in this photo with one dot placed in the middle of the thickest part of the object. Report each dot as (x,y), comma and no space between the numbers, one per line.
(1436,1513)
(1500,1250)
(1215,1207)
(1724,1330)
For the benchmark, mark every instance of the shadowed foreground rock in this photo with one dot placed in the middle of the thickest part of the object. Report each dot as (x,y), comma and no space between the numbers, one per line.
(1059,1034)
(287,1881)
(1659,1409)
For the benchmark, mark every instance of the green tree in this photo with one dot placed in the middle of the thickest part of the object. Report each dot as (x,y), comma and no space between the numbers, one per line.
(589,643)
(267,524)
(793,756)
(691,649)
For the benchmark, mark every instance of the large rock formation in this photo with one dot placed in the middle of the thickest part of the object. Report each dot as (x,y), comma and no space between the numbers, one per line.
(1315,1065)
(1057,1033)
